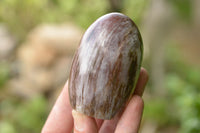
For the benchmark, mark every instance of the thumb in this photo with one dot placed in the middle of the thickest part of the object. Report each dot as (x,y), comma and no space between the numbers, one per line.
(83,123)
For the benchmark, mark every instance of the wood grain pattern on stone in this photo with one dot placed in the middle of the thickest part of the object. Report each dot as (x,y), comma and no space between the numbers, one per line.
(106,66)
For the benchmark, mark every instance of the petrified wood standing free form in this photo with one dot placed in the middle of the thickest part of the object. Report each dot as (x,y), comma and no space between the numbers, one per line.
(106,66)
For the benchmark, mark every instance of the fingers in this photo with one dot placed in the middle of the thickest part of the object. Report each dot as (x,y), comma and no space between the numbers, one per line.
(99,123)
(60,119)
(131,118)
(142,81)
(83,123)
(109,126)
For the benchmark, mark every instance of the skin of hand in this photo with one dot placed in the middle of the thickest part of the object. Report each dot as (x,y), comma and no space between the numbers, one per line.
(63,119)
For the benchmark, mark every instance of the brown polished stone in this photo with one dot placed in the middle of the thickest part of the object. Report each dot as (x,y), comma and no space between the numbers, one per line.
(106,66)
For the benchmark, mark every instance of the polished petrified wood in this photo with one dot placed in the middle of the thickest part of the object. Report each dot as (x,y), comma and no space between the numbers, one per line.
(106,66)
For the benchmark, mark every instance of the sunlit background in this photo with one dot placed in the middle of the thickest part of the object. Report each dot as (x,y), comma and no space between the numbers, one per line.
(39,37)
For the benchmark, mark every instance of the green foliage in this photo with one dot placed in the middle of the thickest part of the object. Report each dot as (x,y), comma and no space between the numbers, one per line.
(159,110)
(28,116)
(135,9)
(186,98)
(183,8)
(31,115)
(22,15)
(183,84)
(4,74)
(181,106)
(6,127)
(88,11)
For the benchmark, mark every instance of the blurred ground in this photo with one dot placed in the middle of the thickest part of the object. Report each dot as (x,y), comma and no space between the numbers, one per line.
(37,47)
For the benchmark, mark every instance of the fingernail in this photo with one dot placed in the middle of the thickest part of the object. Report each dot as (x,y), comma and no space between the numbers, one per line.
(78,120)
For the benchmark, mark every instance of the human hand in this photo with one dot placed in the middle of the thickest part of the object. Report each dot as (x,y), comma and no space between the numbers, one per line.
(63,120)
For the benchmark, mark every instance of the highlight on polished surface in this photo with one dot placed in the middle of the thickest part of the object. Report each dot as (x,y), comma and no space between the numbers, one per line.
(106,66)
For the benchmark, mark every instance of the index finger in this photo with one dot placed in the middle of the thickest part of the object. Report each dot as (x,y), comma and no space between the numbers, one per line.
(60,119)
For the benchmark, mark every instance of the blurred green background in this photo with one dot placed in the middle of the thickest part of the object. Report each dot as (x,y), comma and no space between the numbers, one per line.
(39,37)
